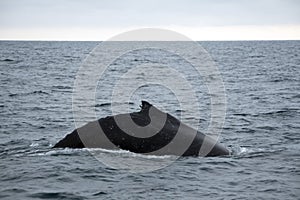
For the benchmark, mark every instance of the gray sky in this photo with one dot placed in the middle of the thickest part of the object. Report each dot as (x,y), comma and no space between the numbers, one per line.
(101,19)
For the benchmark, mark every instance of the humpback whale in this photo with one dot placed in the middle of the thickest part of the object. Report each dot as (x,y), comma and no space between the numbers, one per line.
(155,132)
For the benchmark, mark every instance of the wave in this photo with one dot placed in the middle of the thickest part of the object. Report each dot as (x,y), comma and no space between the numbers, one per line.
(108,104)
(128,153)
(29,93)
(10,61)
(250,152)
(7,192)
(283,111)
(56,195)
(257,56)
(61,87)
(102,104)
(7,60)
(283,79)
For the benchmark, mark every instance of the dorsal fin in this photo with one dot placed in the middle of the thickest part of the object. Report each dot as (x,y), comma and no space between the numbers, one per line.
(145,105)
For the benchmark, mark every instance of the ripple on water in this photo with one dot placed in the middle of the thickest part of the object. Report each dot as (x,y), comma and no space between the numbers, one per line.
(56,195)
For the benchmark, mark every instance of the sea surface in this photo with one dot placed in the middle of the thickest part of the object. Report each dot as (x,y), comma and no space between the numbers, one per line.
(261,129)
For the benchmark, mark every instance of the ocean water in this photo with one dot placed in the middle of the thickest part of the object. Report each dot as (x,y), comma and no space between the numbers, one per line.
(262,82)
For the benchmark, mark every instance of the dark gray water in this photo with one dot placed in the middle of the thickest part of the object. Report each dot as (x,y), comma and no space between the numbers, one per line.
(262,81)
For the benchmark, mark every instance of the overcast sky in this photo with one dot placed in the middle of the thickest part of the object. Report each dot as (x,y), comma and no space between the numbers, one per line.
(197,19)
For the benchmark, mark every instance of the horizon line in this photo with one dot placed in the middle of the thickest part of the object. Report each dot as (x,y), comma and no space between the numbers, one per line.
(50,40)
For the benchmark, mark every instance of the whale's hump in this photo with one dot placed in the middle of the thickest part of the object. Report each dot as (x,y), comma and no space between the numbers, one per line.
(112,136)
